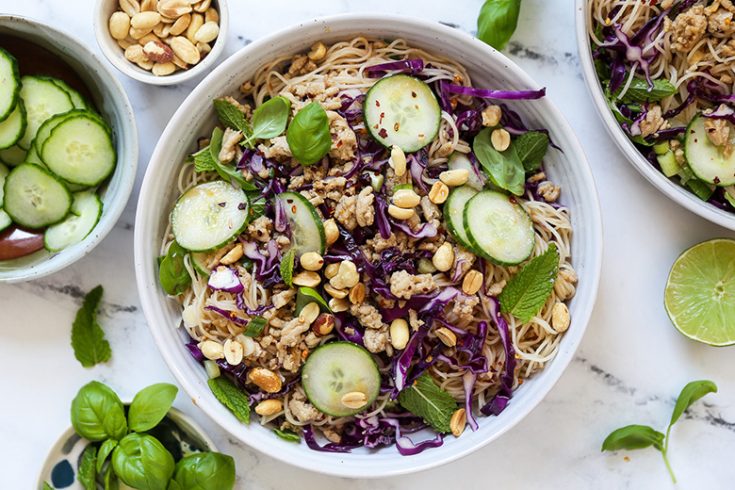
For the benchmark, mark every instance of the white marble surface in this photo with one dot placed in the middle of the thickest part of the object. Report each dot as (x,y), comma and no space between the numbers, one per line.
(629,368)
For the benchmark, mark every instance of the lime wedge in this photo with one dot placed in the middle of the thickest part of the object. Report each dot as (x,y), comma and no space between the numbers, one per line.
(700,292)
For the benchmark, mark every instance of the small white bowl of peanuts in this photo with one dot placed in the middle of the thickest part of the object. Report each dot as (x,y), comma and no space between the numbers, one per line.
(161,42)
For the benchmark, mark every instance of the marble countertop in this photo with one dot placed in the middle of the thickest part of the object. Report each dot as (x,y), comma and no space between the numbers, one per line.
(631,364)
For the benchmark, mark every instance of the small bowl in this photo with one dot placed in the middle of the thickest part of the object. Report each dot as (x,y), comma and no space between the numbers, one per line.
(62,462)
(111,100)
(115,54)
(668,187)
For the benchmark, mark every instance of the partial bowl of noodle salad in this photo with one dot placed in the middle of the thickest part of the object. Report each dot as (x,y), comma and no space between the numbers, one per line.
(661,74)
(367,245)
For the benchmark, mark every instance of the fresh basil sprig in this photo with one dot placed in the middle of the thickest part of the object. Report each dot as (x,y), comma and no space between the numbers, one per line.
(505,169)
(172,273)
(204,471)
(207,160)
(150,406)
(142,462)
(643,436)
(87,337)
(308,134)
(87,473)
(497,21)
(306,295)
(269,120)
(98,414)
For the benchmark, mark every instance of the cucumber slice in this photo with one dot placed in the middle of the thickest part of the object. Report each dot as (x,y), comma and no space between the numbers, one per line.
(498,228)
(86,210)
(32,157)
(3,175)
(34,198)
(209,215)
(307,230)
(708,162)
(730,195)
(15,155)
(42,99)
(44,131)
(669,165)
(5,220)
(454,213)
(79,150)
(13,127)
(199,261)
(77,100)
(335,369)
(9,83)
(403,111)
(458,161)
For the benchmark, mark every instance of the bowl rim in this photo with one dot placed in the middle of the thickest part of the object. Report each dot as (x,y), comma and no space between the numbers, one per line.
(670,189)
(116,58)
(128,169)
(157,325)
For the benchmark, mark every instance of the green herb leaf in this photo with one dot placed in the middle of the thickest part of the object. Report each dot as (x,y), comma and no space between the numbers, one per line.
(97,413)
(256,205)
(46,486)
(172,273)
(633,437)
(527,291)
(105,451)
(205,471)
(230,115)
(504,169)
(87,338)
(111,481)
(689,394)
(87,474)
(638,91)
(255,326)
(150,406)
(426,400)
(287,264)
(531,148)
(142,462)
(287,435)
(498,21)
(306,295)
(228,173)
(270,119)
(231,397)
(203,161)
(215,144)
(308,134)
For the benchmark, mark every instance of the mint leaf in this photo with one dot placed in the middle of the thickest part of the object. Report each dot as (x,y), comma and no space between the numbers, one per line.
(640,91)
(287,435)
(87,474)
(230,115)
(215,145)
(231,397)
(287,263)
(105,451)
(633,437)
(203,161)
(87,337)
(426,400)
(504,169)
(531,148)
(255,326)
(527,291)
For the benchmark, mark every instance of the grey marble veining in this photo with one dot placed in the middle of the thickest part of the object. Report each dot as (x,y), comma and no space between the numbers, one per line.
(630,367)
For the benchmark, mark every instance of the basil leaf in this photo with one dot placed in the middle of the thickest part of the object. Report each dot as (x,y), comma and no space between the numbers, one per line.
(638,91)
(215,144)
(172,273)
(633,437)
(308,134)
(426,400)
(105,450)
(498,21)
(87,338)
(306,295)
(287,435)
(111,481)
(231,397)
(287,264)
(150,406)
(270,118)
(142,462)
(46,486)
(230,115)
(87,474)
(527,291)
(504,169)
(97,413)
(255,326)
(205,471)
(531,147)
(689,394)
(228,173)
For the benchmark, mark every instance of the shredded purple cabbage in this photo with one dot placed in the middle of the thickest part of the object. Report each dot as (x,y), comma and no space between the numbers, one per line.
(281,221)
(193,348)
(426,230)
(225,279)
(494,94)
(468,381)
(331,447)
(230,315)
(506,379)
(381,216)
(413,66)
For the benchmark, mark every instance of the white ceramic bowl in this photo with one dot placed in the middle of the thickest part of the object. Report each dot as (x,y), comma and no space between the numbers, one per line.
(115,54)
(111,100)
(671,189)
(488,69)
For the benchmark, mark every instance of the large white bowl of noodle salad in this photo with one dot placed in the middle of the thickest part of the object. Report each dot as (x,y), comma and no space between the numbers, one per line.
(353,271)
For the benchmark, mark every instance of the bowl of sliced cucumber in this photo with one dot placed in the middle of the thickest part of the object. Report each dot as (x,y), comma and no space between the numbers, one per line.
(200,219)
(68,150)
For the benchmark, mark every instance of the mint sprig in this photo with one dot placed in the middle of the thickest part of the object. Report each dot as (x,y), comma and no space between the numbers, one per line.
(230,115)
(426,400)
(527,291)
(231,397)
(87,337)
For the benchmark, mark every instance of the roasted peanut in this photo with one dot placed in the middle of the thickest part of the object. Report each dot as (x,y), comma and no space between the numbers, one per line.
(458,422)
(269,407)
(455,178)
(119,25)
(398,161)
(185,50)
(163,69)
(357,293)
(354,400)
(500,139)
(439,192)
(233,352)
(307,278)
(443,258)
(311,261)
(323,325)
(446,336)
(207,33)
(400,213)
(560,317)
(491,116)
(145,21)
(406,198)
(265,379)
(331,231)
(309,313)
(399,333)
(212,350)
(472,282)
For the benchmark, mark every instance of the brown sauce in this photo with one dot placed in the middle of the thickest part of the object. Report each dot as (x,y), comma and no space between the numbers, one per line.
(32,59)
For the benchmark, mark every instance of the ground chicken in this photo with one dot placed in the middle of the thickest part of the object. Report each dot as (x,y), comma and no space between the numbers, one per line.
(246,109)
(260,229)
(283,298)
(291,333)
(429,209)
(302,410)
(718,131)
(652,122)
(376,341)
(405,285)
(344,141)
(720,23)
(364,209)
(368,316)
(375,246)
(344,212)
(413,320)
(688,28)
(276,149)
(301,65)
(229,145)
(332,188)
(463,308)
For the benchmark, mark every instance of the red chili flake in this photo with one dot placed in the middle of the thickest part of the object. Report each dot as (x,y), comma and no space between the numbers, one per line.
(413,94)
(383,133)
(377,103)
(716,180)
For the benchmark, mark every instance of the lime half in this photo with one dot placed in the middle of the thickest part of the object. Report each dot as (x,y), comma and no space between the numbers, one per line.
(700,292)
